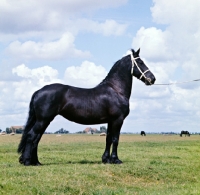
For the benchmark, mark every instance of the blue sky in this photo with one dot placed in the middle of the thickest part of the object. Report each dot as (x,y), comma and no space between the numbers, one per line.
(77,42)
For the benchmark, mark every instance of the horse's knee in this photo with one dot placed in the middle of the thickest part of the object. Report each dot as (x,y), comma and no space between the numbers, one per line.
(115,141)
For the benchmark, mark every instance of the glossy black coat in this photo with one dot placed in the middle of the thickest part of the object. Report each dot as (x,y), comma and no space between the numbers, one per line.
(108,103)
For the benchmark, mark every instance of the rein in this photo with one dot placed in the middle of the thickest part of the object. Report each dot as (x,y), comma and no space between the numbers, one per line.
(178,82)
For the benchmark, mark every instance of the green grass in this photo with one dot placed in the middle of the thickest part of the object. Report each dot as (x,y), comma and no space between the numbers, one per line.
(155,164)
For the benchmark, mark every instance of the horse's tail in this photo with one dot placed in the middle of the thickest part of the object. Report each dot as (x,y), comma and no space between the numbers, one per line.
(29,124)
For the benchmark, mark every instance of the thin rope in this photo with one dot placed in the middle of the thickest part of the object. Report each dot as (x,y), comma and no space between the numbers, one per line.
(177,82)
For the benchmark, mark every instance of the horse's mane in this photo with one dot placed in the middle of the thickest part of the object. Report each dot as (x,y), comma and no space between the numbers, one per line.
(114,69)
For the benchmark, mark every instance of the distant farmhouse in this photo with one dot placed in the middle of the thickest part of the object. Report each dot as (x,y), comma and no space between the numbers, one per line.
(90,130)
(16,129)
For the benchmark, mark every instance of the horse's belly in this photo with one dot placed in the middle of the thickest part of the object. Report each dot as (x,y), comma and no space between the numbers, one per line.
(89,120)
(85,117)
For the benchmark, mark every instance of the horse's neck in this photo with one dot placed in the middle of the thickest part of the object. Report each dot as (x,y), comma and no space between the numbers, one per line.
(120,79)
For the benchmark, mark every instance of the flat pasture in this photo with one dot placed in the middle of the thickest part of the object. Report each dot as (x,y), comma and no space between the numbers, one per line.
(155,164)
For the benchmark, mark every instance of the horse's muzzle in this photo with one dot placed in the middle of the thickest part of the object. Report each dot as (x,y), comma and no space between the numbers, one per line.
(150,81)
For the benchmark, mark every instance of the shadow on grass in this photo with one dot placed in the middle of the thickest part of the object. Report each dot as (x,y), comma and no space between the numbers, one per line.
(73,162)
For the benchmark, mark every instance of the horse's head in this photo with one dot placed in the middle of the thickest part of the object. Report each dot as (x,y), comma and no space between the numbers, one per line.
(140,70)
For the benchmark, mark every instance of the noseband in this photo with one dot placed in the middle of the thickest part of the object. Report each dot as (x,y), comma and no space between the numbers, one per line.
(142,73)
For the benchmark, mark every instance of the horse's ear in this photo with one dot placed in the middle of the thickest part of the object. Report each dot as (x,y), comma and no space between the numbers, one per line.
(138,52)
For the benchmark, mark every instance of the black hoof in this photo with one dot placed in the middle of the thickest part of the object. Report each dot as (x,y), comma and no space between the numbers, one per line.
(106,159)
(115,161)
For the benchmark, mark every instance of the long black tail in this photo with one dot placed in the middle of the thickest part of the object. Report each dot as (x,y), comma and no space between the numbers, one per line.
(29,124)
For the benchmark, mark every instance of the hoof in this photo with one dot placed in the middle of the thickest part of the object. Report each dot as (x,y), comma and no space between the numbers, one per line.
(115,161)
(106,159)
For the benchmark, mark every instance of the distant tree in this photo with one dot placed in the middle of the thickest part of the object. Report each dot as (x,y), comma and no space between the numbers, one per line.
(79,132)
(103,129)
(0,130)
(62,131)
(8,130)
(19,131)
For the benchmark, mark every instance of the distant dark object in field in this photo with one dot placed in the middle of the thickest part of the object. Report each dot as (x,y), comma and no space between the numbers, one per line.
(108,102)
(186,133)
(143,133)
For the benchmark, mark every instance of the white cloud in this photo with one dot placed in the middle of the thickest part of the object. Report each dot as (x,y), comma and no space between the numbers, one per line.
(45,15)
(111,27)
(107,28)
(41,74)
(178,13)
(86,75)
(60,49)
(32,80)
(154,43)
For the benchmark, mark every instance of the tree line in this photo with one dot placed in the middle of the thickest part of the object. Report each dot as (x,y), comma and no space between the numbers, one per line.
(60,131)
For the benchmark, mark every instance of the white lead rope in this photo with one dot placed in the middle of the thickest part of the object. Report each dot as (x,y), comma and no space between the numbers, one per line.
(177,82)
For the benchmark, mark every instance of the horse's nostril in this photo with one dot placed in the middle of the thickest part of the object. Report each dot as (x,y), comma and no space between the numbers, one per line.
(149,80)
(153,80)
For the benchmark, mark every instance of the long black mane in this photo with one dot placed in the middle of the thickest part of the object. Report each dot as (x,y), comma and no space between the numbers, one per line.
(119,76)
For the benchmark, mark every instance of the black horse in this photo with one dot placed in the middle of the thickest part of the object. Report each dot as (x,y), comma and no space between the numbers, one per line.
(143,133)
(185,133)
(108,102)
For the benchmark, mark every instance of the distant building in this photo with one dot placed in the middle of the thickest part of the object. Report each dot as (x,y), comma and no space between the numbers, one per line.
(13,129)
(90,130)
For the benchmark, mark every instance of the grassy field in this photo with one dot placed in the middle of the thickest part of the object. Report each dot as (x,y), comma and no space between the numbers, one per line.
(155,164)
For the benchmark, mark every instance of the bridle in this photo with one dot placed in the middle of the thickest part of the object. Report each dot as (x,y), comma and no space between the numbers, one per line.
(142,73)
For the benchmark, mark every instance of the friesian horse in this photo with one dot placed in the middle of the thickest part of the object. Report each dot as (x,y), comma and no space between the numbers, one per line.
(108,102)
(185,132)
(142,133)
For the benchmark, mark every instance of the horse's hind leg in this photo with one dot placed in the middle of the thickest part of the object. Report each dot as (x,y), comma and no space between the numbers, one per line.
(34,136)
(34,157)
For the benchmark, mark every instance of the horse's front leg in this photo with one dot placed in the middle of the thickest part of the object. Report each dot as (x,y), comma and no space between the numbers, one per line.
(116,127)
(106,154)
